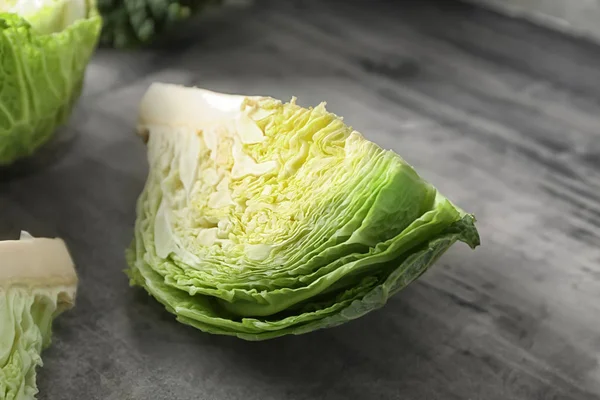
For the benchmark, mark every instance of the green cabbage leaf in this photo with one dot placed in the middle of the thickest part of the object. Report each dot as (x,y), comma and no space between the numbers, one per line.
(261,218)
(37,283)
(45,47)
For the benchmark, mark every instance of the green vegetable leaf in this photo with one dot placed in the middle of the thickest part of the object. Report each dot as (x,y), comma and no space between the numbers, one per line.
(25,329)
(44,53)
(261,219)
(133,23)
(37,283)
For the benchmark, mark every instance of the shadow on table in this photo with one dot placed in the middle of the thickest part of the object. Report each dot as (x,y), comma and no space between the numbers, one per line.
(44,157)
(368,358)
(419,346)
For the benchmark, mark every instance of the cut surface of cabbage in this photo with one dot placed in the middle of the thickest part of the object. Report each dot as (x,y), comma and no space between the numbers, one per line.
(261,218)
(37,283)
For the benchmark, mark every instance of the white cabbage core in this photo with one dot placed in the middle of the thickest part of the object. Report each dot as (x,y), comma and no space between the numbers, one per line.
(37,262)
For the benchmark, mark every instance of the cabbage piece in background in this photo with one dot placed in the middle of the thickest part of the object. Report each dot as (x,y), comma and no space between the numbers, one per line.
(37,283)
(260,219)
(45,47)
(132,23)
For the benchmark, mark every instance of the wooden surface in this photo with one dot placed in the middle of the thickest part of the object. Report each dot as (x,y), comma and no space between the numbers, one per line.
(503,117)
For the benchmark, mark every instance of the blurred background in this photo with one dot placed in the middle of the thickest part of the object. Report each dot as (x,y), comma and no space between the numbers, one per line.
(574,17)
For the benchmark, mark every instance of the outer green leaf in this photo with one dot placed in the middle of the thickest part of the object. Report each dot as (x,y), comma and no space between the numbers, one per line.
(42,64)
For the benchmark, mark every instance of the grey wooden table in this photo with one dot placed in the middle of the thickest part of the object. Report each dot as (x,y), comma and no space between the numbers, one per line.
(503,117)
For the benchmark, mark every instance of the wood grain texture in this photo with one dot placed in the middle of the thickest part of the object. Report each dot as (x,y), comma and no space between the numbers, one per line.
(503,117)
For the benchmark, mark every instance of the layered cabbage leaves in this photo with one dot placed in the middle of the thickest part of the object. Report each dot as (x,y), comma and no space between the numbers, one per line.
(261,218)
(136,23)
(37,283)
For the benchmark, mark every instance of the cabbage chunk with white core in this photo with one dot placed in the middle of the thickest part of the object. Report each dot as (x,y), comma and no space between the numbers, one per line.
(261,218)
(37,283)
(45,46)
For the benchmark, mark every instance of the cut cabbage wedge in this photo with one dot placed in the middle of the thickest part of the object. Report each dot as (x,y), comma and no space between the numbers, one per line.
(37,283)
(261,218)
